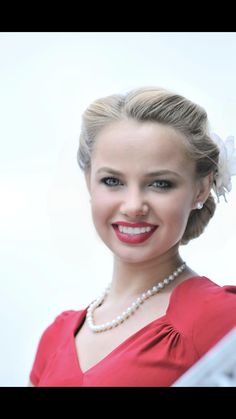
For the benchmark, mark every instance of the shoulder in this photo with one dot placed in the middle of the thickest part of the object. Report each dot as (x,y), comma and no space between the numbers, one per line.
(63,323)
(55,335)
(67,316)
(204,290)
(205,310)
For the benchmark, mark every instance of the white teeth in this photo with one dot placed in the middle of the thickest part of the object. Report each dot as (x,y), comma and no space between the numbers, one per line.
(135,230)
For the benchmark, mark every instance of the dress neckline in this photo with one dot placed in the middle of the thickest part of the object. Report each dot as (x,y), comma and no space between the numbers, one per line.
(161,319)
(117,348)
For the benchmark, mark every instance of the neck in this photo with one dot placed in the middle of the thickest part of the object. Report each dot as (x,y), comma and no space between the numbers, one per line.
(131,279)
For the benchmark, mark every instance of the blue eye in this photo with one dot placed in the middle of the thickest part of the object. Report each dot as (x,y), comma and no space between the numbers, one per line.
(110,181)
(162,184)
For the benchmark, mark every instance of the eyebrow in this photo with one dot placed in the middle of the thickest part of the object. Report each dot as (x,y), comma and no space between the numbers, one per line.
(150,174)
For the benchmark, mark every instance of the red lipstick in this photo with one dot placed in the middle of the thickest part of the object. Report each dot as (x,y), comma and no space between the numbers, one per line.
(133,238)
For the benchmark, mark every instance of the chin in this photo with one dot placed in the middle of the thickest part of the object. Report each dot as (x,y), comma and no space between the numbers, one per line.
(134,255)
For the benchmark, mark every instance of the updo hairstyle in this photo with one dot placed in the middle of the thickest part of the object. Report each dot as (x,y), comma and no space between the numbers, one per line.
(165,107)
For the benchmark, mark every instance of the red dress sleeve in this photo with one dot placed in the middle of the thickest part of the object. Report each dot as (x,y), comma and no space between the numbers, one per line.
(216,319)
(47,346)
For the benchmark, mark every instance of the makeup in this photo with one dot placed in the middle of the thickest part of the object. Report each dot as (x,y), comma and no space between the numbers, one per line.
(133,233)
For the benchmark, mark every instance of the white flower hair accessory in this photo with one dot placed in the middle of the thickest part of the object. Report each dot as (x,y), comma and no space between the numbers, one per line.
(226,166)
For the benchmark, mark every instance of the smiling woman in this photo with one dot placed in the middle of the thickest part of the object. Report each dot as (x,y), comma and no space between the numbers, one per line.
(150,165)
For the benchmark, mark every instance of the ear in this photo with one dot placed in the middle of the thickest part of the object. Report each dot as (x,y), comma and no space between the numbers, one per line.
(204,186)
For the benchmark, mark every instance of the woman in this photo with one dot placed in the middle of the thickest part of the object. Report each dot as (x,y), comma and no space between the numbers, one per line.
(150,166)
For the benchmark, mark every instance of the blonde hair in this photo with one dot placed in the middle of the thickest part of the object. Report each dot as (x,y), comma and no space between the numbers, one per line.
(165,107)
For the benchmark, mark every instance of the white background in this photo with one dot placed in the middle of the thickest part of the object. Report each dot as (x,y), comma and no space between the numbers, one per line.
(51,258)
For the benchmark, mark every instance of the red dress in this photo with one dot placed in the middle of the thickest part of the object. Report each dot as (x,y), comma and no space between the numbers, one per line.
(199,314)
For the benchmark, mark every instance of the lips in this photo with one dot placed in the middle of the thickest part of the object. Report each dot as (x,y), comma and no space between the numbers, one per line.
(133,238)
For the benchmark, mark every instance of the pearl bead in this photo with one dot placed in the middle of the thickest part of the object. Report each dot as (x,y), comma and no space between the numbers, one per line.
(132,308)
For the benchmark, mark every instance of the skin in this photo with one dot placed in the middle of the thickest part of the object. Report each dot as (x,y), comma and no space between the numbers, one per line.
(135,148)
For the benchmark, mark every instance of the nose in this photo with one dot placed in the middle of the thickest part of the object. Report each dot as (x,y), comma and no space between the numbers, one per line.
(134,205)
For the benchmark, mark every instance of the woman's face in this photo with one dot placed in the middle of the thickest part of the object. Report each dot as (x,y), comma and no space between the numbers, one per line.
(124,188)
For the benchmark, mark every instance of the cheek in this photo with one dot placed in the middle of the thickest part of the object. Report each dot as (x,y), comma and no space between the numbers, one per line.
(177,210)
(101,207)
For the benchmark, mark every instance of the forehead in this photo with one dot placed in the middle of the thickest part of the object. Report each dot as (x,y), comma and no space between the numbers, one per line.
(139,143)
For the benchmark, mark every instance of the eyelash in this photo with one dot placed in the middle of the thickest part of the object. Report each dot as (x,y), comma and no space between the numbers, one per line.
(167,183)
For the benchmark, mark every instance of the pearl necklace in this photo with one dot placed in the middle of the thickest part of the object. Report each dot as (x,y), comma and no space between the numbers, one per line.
(132,308)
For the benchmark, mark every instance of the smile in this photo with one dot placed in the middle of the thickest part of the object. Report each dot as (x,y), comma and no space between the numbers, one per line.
(133,235)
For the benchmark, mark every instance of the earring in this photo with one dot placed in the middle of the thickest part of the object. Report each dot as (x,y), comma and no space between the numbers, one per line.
(199,205)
